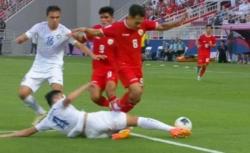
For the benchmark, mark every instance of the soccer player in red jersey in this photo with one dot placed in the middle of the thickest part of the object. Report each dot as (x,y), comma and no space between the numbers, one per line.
(127,35)
(205,43)
(104,76)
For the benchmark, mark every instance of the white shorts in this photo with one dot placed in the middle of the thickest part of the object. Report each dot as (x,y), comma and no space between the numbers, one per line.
(33,79)
(103,123)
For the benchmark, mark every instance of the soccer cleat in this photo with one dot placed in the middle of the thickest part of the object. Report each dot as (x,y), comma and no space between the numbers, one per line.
(38,119)
(114,106)
(123,134)
(198,78)
(179,133)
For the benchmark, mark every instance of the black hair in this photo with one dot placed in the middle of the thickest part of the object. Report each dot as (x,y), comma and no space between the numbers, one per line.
(209,25)
(136,10)
(50,95)
(106,9)
(53,8)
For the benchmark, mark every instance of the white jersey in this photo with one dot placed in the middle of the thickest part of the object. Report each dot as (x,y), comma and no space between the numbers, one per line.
(67,120)
(51,45)
(71,121)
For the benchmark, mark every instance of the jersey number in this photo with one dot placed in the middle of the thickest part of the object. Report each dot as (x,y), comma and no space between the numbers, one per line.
(101,49)
(59,122)
(50,41)
(109,74)
(135,43)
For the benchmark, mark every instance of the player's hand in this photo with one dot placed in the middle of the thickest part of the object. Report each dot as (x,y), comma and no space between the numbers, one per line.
(99,57)
(18,41)
(207,45)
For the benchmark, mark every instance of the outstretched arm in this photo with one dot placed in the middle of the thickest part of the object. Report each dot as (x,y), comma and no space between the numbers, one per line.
(76,93)
(167,26)
(23,133)
(22,38)
(89,31)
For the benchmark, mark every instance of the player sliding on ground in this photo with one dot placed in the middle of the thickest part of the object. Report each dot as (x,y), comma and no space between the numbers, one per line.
(64,117)
(48,64)
(127,35)
(205,43)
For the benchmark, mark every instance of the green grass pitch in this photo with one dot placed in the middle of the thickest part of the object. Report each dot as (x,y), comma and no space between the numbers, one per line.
(219,107)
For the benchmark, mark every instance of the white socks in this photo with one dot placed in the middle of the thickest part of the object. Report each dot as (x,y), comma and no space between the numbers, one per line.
(149,123)
(31,102)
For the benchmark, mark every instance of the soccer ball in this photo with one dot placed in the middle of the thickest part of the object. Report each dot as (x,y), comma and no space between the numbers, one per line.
(183,122)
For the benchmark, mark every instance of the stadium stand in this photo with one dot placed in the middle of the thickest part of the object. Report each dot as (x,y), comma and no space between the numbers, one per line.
(10,7)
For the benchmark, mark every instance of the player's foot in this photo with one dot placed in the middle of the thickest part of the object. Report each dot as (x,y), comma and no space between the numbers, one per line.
(114,105)
(198,78)
(38,119)
(180,133)
(123,134)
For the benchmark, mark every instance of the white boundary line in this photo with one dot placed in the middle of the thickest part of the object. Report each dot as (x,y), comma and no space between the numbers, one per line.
(175,143)
(157,140)
(3,132)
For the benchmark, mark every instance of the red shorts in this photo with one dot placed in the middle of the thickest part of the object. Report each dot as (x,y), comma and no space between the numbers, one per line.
(203,60)
(129,76)
(101,77)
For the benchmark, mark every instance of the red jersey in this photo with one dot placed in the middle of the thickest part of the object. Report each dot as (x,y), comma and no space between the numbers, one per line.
(128,41)
(103,46)
(204,42)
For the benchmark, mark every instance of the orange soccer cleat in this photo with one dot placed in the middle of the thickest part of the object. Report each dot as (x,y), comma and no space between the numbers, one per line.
(123,134)
(180,133)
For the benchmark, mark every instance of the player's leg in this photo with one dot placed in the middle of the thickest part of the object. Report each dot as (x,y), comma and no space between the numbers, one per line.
(111,85)
(25,94)
(131,79)
(147,123)
(201,65)
(56,79)
(153,124)
(111,89)
(133,96)
(98,85)
(204,67)
(203,70)
(129,99)
(96,95)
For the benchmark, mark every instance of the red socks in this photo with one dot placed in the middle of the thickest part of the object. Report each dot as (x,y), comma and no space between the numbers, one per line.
(202,72)
(103,102)
(125,105)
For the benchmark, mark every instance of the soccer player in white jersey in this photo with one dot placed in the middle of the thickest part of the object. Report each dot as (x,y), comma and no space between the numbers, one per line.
(64,117)
(53,39)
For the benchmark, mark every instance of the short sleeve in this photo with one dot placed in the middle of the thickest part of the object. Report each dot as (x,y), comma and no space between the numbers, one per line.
(44,125)
(70,39)
(110,31)
(150,25)
(59,104)
(33,31)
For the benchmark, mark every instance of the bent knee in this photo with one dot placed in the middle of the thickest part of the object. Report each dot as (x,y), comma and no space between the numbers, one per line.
(23,95)
(95,98)
(24,92)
